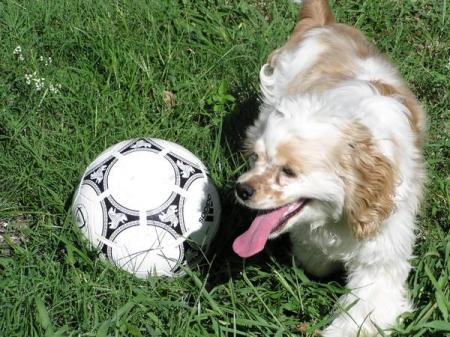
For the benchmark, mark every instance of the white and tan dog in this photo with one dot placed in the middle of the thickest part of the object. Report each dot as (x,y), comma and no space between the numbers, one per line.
(337,163)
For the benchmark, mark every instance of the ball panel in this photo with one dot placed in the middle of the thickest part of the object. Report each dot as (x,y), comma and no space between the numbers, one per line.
(90,214)
(144,250)
(201,211)
(142,144)
(141,180)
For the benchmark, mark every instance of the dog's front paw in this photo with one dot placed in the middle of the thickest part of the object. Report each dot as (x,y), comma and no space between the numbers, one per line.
(340,330)
(344,326)
(362,321)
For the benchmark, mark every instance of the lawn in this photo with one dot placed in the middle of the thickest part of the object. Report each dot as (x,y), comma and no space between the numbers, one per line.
(77,76)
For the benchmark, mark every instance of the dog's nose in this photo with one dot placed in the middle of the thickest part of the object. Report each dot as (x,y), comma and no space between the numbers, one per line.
(244,191)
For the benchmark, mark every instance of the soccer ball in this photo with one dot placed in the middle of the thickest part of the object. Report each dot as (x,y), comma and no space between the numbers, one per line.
(149,206)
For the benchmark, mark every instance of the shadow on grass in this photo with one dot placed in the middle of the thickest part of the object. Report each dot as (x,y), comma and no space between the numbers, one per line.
(235,217)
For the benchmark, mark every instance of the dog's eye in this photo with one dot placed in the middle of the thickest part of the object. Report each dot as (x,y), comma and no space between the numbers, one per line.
(288,172)
(253,158)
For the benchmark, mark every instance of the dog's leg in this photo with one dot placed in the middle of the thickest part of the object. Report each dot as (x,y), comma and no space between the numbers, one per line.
(378,296)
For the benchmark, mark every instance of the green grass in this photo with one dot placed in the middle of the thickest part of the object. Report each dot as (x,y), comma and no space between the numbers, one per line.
(114,60)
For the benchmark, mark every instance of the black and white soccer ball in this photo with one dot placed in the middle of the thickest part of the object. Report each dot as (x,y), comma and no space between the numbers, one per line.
(149,206)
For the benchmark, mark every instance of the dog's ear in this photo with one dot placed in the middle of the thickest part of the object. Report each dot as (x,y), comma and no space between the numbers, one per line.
(369,178)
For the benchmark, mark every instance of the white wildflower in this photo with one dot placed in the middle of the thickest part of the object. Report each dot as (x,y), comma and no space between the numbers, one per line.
(39,83)
(47,61)
(54,88)
(28,78)
(17,50)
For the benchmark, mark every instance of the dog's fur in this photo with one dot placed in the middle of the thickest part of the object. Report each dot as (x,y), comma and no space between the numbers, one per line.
(339,116)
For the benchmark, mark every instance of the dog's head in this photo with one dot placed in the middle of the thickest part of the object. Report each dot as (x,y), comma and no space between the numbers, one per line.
(308,167)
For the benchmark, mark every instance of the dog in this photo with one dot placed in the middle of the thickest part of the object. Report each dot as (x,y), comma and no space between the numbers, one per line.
(336,161)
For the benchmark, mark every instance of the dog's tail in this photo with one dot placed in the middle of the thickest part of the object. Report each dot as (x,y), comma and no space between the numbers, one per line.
(314,13)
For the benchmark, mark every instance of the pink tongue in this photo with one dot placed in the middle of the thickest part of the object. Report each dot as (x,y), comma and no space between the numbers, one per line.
(254,239)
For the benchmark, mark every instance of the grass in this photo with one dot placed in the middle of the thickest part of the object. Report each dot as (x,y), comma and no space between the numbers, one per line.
(114,61)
